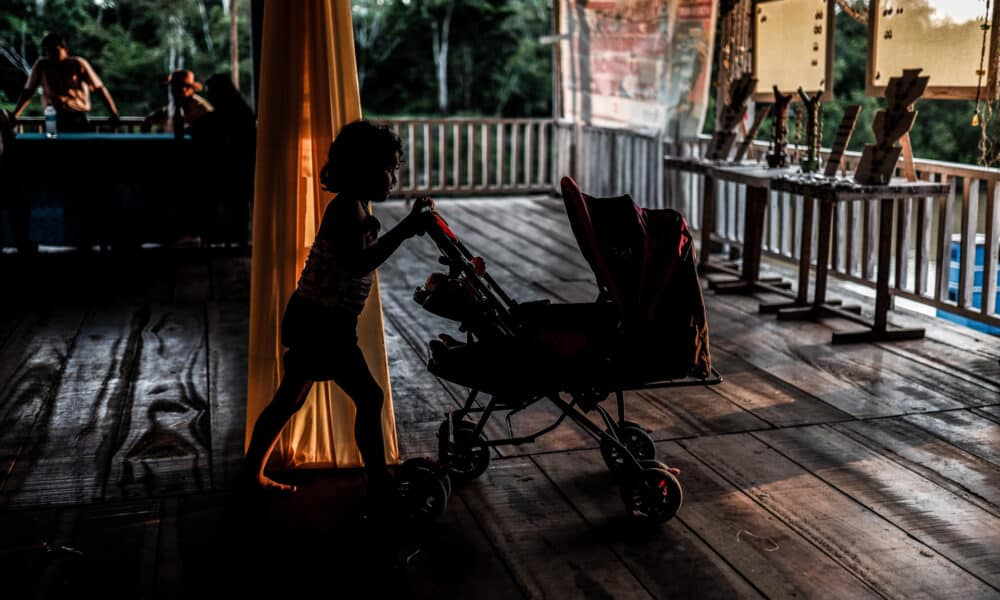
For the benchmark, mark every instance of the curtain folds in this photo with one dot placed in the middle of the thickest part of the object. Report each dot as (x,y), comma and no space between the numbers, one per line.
(308,90)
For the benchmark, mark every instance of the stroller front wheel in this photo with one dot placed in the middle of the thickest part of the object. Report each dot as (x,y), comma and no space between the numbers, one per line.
(652,494)
(421,491)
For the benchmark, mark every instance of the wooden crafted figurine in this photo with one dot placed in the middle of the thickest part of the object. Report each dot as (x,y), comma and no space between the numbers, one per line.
(878,161)
(723,138)
(779,130)
(814,130)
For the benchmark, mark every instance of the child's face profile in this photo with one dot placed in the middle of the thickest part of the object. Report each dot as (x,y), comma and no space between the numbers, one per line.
(392,175)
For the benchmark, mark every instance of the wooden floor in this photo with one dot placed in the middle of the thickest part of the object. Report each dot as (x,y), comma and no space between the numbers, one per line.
(812,471)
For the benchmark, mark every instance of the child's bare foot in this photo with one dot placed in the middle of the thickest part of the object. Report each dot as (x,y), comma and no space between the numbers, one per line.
(266,484)
(260,483)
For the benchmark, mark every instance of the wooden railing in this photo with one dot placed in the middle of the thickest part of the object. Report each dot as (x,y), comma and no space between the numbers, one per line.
(611,162)
(475,156)
(97,124)
(934,241)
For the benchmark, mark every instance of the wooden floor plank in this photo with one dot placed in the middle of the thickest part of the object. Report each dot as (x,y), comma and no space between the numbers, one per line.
(776,559)
(88,551)
(769,398)
(887,558)
(700,411)
(971,477)
(520,259)
(420,400)
(31,374)
(959,530)
(552,234)
(861,380)
(228,331)
(527,243)
(163,444)
(990,412)
(547,545)
(927,377)
(67,464)
(975,434)
(905,504)
(670,560)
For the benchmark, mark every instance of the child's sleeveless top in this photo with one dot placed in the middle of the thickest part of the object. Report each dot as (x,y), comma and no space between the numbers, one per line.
(325,280)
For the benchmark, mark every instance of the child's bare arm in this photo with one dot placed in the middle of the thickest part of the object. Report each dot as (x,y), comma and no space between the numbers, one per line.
(370,258)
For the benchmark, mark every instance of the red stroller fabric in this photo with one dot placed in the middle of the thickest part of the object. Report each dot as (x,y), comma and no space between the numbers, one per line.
(644,262)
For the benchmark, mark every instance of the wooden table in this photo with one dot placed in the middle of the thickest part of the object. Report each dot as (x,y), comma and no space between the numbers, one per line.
(829,191)
(757,178)
(699,166)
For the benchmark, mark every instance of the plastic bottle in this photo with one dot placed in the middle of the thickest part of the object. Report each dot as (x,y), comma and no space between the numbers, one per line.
(50,121)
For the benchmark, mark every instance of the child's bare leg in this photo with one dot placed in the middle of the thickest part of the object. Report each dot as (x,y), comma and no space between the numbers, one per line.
(289,398)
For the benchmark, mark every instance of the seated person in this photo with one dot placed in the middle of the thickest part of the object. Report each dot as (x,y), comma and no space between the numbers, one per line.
(185,106)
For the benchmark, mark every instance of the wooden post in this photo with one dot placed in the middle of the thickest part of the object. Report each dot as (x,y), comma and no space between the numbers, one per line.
(883,297)
(707,220)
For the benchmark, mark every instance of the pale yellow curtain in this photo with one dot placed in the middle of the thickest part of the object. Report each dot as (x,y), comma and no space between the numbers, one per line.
(308,90)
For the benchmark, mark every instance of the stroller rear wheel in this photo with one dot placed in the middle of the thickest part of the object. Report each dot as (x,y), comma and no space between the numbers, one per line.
(652,494)
(635,439)
(467,458)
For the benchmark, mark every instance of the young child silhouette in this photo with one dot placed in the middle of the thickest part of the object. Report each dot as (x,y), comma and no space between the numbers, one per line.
(319,326)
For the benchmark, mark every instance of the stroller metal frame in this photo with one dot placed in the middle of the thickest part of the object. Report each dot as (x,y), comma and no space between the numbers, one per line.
(492,298)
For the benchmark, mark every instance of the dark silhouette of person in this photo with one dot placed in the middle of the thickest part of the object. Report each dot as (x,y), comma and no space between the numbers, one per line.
(319,325)
(228,137)
(11,193)
(66,83)
(185,108)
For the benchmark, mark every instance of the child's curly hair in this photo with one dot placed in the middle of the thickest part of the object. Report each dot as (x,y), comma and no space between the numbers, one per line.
(358,158)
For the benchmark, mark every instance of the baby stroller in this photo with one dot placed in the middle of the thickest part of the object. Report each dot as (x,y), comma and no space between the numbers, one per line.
(646,329)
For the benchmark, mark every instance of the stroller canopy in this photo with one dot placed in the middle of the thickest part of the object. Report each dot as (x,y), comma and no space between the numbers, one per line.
(644,262)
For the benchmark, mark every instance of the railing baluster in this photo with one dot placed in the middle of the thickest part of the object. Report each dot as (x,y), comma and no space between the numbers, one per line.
(456,156)
(411,155)
(966,269)
(528,140)
(850,244)
(868,235)
(514,175)
(992,249)
(427,156)
(484,154)
(499,155)
(442,164)
(470,154)
(904,212)
(923,241)
(944,241)
(543,153)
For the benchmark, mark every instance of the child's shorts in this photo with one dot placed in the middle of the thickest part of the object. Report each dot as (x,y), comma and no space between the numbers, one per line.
(320,341)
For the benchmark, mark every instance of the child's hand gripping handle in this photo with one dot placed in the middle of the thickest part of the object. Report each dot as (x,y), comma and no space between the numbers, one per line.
(420,215)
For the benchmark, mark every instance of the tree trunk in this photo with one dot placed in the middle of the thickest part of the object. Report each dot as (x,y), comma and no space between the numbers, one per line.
(441,58)
(234,43)
(206,33)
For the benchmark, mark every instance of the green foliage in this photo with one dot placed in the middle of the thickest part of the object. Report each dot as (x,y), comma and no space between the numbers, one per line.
(132,44)
(496,65)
